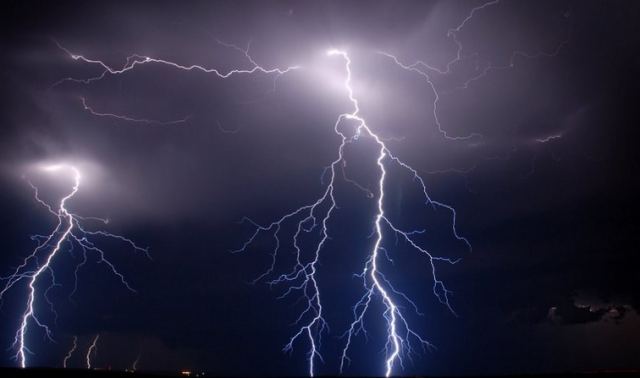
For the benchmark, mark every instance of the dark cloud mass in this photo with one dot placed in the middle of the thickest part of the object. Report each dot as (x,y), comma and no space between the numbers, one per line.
(548,196)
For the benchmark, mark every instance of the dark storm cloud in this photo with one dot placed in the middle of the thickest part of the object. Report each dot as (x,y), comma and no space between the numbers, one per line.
(569,313)
(548,197)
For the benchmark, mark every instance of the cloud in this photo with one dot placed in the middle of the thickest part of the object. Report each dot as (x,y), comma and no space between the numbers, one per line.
(583,309)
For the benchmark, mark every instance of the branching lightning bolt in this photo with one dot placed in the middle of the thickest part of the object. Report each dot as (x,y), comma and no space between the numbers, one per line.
(134,366)
(135,60)
(303,278)
(69,232)
(316,216)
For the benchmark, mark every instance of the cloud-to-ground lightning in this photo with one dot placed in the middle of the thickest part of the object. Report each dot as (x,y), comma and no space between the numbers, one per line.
(377,285)
(70,353)
(303,278)
(92,350)
(70,233)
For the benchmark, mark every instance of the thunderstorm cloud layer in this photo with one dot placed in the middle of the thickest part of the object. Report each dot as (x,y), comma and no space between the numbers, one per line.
(195,124)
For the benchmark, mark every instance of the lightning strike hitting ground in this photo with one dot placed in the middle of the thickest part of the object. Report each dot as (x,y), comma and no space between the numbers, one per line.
(93,349)
(303,279)
(39,264)
(135,60)
(70,353)
(131,119)
(134,366)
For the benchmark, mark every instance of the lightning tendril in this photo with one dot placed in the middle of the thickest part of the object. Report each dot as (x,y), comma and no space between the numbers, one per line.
(92,350)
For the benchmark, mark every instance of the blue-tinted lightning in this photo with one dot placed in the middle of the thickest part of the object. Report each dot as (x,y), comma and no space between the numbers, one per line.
(35,268)
(135,61)
(303,278)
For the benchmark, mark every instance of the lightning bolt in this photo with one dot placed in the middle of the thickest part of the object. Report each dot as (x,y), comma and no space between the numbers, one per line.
(134,61)
(93,349)
(131,119)
(70,353)
(134,366)
(69,232)
(303,278)
(549,138)
(428,72)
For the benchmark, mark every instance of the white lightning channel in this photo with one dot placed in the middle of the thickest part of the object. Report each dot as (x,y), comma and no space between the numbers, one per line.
(302,278)
(131,119)
(93,349)
(69,231)
(136,60)
(134,366)
(133,61)
(70,353)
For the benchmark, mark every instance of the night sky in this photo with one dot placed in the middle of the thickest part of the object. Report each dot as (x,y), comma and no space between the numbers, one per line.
(547,194)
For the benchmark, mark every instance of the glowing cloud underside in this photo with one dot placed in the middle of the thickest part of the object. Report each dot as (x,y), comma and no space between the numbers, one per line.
(37,268)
